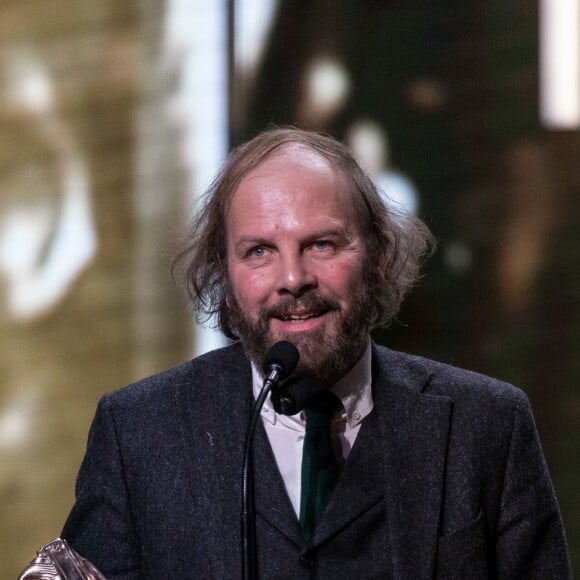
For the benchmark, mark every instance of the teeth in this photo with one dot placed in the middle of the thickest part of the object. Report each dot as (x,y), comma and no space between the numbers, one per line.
(298,318)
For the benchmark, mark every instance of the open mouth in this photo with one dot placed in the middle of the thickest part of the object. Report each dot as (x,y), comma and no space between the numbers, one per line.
(295,318)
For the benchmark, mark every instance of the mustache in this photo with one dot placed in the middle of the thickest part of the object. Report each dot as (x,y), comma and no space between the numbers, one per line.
(289,305)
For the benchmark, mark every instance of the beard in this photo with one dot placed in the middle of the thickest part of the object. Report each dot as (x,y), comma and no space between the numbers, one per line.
(326,353)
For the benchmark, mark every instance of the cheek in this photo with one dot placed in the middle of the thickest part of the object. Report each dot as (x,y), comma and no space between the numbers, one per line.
(250,288)
(342,279)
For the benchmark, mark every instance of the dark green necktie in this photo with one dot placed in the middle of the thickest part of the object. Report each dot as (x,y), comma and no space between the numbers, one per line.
(320,468)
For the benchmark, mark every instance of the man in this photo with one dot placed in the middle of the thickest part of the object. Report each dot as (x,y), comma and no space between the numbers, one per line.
(441,474)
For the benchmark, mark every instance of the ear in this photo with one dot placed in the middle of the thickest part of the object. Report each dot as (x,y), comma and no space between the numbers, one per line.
(228,291)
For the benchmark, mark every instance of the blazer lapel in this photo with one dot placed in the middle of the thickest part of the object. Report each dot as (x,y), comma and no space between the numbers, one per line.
(399,456)
(272,501)
(414,431)
(359,487)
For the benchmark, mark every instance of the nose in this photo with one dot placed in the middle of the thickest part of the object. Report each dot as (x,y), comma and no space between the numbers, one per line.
(295,275)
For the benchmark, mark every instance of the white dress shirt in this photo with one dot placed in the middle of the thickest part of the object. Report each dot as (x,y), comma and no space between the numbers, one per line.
(286,434)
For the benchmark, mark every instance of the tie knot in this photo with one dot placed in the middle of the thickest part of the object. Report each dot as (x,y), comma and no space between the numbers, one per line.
(322,405)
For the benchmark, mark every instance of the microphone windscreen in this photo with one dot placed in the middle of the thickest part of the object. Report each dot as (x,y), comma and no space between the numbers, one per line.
(283,354)
(292,395)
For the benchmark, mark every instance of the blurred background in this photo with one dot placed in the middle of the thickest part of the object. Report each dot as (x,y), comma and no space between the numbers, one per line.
(114,117)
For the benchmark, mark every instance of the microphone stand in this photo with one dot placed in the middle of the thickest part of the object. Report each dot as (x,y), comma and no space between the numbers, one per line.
(249,551)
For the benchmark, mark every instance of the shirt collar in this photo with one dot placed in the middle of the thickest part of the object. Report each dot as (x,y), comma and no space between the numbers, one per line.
(353,389)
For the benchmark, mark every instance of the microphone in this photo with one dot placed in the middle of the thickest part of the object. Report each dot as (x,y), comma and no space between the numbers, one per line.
(280,362)
(289,394)
(292,395)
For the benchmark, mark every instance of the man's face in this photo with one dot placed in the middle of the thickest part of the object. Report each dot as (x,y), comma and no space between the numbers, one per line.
(296,264)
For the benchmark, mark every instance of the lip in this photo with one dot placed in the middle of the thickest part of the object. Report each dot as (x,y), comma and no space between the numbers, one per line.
(298,321)
(300,315)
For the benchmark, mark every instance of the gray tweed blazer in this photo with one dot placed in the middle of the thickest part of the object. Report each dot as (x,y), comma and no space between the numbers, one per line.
(446,480)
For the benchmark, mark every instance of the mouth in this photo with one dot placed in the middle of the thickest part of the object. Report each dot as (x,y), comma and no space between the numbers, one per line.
(299,322)
(300,316)
(308,314)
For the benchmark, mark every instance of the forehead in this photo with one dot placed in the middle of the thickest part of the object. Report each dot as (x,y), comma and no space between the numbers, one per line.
(293,177)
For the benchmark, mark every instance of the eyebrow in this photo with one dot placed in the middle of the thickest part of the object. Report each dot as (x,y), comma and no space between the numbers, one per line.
(322,233)
(251,241)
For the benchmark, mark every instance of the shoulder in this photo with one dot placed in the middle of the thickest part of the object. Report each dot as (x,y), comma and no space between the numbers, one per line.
(485,414)
(208,371)
(434,378)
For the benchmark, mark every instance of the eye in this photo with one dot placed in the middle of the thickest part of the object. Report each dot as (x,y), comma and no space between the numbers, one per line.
(322,245)
(258,251)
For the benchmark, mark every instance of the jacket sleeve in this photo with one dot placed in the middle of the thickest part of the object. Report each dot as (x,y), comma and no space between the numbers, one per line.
(100,526)
(530,540)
